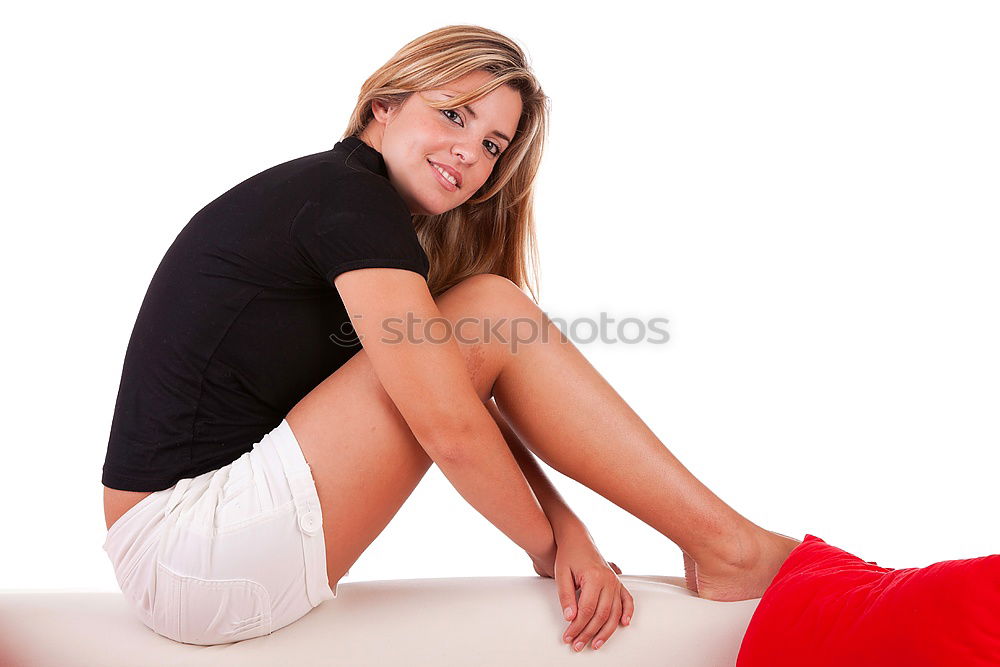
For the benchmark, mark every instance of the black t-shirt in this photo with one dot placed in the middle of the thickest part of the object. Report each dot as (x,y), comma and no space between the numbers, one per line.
(241,318)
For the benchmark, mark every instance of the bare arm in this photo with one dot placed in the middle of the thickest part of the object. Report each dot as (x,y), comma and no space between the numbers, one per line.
(429,384)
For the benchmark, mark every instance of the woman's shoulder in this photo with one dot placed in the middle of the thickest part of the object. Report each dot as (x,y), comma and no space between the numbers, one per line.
(332,170)
(339,182)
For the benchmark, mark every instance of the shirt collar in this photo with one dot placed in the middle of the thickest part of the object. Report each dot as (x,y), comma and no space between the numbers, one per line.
(361,154)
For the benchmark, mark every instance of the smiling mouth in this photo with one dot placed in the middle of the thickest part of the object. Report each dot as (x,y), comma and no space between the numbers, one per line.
(445,176)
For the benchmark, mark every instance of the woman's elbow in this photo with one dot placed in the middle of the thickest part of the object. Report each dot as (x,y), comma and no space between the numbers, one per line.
(448,437)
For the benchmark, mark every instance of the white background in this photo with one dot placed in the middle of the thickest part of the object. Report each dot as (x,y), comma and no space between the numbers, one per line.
(807,191)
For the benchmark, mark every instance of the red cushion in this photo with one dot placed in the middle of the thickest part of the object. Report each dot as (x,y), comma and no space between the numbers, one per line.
(828,607)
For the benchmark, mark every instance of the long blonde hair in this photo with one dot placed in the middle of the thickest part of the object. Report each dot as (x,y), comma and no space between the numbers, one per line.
(494,231)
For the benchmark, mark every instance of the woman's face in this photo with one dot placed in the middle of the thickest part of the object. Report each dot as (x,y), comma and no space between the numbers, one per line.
(416,139)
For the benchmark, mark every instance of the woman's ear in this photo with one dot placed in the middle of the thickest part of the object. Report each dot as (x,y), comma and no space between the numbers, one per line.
(383,111)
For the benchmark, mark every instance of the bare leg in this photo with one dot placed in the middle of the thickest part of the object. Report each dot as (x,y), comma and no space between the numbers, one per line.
(567,414)
(366,462)
(364,459)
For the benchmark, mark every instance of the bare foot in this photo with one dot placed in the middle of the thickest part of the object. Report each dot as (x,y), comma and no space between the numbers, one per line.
(748,579)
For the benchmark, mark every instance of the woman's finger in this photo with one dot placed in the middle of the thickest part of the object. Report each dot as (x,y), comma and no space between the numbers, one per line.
(602,613)
(628,606)
(612,624)
(585,609)
(566,588)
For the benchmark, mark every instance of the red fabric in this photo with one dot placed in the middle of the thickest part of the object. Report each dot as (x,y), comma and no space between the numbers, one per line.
(827,607)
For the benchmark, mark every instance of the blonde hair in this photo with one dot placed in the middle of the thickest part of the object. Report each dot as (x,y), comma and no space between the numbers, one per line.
(494,230)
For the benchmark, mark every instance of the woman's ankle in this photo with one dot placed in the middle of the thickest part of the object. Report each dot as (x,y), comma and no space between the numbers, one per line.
(738,548)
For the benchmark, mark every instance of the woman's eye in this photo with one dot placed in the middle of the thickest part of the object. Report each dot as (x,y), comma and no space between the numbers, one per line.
(493,149)
(457,115)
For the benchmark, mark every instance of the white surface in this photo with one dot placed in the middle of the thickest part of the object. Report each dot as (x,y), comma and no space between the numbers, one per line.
(808,192)
(485,621)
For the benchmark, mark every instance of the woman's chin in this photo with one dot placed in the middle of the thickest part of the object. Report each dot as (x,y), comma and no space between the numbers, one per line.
(434,208)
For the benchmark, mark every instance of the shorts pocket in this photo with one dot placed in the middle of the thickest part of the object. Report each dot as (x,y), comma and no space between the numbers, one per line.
(239,501)
(192,610)
(238,504)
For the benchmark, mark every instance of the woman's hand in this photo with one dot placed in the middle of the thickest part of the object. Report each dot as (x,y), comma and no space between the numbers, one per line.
(604,601)
(547,570)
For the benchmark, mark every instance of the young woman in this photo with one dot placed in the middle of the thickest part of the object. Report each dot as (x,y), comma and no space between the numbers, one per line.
(319,335)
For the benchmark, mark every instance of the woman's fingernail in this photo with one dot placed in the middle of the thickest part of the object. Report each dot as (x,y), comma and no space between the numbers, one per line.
(578,646)
(627,619)
(567,639)
(598,643)
(568,613)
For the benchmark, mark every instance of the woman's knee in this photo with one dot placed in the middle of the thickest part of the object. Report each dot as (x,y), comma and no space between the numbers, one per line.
(487,281)
(485,294)
(489,309)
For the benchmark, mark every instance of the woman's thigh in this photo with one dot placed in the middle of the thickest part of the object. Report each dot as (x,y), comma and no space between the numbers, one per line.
(364,459)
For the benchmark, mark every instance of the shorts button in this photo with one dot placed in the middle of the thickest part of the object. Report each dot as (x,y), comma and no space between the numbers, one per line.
(310,523)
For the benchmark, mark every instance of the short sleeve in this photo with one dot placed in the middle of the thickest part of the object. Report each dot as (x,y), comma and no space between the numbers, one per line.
(360,222)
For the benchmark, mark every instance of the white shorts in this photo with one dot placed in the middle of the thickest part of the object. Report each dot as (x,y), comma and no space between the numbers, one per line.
(228,555)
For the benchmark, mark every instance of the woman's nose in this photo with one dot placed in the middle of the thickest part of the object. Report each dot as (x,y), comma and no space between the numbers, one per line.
(466,153)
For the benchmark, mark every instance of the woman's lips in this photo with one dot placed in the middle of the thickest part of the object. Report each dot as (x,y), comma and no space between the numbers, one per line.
(441,179)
